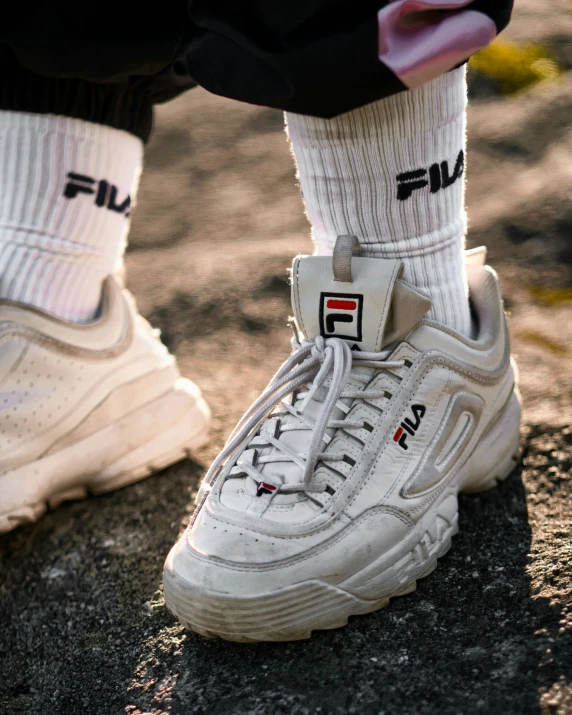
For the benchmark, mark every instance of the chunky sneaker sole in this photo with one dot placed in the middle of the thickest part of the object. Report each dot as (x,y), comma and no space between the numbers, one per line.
(87,409)
(292,613)
(338,489)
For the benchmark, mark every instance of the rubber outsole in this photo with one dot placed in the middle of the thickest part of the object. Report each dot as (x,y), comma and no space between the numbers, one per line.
(139,461)
(314,605)
(293,613)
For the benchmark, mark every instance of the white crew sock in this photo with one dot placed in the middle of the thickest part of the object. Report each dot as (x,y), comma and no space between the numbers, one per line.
(61,235)
(351,171)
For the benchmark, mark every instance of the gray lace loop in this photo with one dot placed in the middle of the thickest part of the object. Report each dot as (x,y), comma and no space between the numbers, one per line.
(310,364)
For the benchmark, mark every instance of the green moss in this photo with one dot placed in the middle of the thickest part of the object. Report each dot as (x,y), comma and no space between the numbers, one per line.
(531,336)
(515,67)
(550,296)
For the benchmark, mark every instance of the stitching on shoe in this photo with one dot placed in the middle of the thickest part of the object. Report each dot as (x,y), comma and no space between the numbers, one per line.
(344,498)
(313,551)
(425,427)
(53,344)
(376,460)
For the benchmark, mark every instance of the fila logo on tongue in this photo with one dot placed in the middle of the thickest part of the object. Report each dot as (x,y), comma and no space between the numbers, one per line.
(341,316)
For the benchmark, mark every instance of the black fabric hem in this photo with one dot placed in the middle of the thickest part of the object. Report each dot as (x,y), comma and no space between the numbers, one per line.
(119,105)
(331,75)
(499,12)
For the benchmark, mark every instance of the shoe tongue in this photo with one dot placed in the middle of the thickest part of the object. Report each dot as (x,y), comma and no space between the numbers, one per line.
(359,300)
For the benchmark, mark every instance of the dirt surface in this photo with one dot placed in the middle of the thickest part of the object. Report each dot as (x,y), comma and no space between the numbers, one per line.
(82,621)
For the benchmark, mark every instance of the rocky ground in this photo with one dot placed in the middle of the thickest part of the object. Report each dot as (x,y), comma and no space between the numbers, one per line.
(82,621)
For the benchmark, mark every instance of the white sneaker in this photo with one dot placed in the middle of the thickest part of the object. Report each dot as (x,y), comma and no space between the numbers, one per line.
(87,408)
(346,493)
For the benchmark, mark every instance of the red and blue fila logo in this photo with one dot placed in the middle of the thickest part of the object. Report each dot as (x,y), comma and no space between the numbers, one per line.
(341,316)
(409,426)
(264,488)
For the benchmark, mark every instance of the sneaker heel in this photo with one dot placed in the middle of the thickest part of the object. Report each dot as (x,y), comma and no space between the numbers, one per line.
(497,454)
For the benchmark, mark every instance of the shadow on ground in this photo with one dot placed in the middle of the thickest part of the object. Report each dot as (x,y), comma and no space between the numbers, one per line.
(86,630)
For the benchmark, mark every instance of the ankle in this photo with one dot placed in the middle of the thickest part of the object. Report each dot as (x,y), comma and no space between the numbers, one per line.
(68,190)
(391,173)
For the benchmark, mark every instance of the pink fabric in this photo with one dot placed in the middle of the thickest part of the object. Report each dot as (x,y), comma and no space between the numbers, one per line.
(422,39)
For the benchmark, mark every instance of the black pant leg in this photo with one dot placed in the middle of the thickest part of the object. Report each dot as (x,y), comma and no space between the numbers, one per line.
(107,62)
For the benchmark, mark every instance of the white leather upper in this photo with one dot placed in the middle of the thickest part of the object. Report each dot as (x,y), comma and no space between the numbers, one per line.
(372,500)
(53,373)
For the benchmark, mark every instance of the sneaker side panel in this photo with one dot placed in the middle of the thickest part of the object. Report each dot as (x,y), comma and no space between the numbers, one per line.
(46,391)
(104,409)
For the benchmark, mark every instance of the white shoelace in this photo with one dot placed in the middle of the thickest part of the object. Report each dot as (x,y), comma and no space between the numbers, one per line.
(310,364)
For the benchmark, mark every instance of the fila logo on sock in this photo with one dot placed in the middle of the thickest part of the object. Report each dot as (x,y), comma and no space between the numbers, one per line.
(437,177)
(409,426)
(105,193)
(341,316)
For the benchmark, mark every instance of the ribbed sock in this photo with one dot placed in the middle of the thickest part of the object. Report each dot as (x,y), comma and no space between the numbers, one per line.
(391,173)
(66,191)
